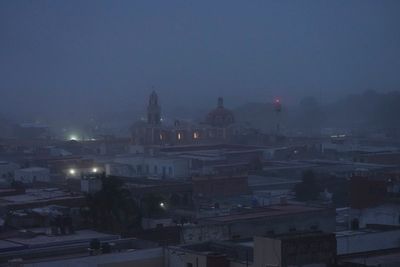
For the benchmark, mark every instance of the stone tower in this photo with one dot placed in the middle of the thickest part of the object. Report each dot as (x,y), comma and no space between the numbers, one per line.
(153,110)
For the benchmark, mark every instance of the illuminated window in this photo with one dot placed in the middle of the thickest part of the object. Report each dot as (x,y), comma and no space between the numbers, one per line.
(195,135)
(161,137)
(179,136)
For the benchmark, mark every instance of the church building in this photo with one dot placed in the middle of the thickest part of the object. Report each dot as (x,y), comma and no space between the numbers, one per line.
(217,127)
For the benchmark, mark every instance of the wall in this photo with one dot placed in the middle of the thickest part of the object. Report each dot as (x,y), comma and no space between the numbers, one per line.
(199,233)
(359,241)
(7,169)
(180,258)
(145,258)
(32,175)
(324,220)
(152,166)
(385,214)
(267,252)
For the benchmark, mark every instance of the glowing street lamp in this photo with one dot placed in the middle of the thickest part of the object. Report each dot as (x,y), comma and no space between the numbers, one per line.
(72,171)
(73,137)
(95,170)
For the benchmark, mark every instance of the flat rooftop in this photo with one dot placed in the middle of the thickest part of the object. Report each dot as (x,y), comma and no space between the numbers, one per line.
(227,147)
(33,169)
(43,240)
(369,230)
(6,245)
(270,211)
(32,195)
(380,258)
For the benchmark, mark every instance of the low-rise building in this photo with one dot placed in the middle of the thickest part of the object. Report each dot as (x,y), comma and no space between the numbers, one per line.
(372,238)
(81,248)
(150,166)
(7,169)
(33,198)
(220,186)
(295,249)
(32,175)
(249,222)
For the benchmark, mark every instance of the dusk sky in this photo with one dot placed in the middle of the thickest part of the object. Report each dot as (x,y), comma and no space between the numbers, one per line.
(57,56)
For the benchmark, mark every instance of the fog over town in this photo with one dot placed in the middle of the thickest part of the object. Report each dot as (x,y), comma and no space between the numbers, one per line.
(199,133)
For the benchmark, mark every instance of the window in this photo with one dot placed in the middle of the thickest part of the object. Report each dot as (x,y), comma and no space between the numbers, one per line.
(189,264)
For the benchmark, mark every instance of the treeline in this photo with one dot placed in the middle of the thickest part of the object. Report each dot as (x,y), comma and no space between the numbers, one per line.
(368,111)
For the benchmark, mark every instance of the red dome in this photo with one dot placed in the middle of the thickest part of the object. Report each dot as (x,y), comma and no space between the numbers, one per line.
(220,116)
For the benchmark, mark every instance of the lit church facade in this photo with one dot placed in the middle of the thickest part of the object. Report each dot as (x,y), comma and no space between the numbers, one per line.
(218,127)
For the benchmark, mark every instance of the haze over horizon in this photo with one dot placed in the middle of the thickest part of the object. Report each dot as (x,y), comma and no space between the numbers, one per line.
(62,57)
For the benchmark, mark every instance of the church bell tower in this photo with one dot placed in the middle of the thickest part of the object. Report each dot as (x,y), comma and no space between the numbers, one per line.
(153,110)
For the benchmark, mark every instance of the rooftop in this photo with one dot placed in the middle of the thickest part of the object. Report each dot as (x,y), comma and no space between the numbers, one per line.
(33,169)
(270,211)
(378,258)
(43,240)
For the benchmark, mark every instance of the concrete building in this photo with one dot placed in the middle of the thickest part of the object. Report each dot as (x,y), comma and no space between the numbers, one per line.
(32,175)
(33,198)
(303,249)
(274,219)
(220,186)
(388,214)
(379,258)
(143,258)
(296,249)
(373,238)
(91,184)
(373,201)
(218,126)
(43,250)
(148,166)
(222,159)
(7,169)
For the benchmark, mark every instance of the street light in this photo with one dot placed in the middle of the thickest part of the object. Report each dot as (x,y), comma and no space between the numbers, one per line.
(73,137)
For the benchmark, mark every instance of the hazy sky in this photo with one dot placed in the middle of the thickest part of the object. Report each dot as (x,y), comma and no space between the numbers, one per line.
(63,56)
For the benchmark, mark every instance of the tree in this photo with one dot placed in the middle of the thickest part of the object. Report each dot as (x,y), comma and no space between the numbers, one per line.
(308,189)
(112,208)
(153,205)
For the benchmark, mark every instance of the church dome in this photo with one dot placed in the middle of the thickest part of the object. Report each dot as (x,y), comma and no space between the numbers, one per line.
(220,116)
